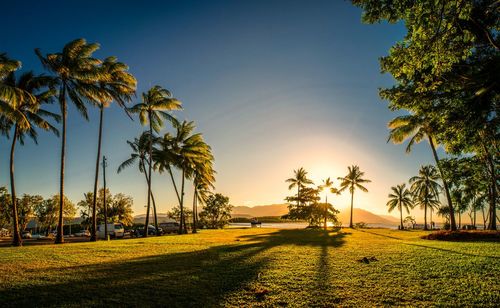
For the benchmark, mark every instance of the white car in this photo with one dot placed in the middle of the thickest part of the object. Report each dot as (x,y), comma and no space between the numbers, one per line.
(115,230)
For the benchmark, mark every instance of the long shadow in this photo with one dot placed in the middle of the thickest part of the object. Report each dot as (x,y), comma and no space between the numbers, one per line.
(198,278)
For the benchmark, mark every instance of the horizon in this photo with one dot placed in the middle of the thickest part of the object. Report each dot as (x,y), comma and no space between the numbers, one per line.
(305,95)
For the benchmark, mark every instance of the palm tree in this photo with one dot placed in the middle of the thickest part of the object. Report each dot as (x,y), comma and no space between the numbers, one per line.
(426,201)
(153,111)
(75,74)
(417,128)
(117,85)
(401,198)
(326,183)
(203,179)
(25,116)
(189,151)
(353,180)
(299,180)
(425,186)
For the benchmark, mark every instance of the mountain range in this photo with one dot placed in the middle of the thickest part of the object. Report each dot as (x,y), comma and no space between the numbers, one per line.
(359,215)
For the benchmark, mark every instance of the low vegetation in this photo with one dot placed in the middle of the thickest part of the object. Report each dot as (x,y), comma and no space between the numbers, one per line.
(255,267)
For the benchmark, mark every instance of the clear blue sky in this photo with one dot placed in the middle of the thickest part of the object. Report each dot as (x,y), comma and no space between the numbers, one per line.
(272,85)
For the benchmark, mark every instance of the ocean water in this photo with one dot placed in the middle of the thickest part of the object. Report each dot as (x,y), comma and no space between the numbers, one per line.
(298,225)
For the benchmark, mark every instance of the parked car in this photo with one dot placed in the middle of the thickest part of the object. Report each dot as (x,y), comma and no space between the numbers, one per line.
(139,232)
(115,230)
(169,227)
(84,233)
(26,234)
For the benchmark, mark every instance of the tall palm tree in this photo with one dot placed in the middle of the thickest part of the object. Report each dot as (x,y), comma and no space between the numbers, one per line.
(425,187)
(116,85)
(353,180)
(75,73)
(203,179)
(139,155)
(427,201)
(326,184)
(152,110)
(416,128)
(401,198)
(25,116)
(298,180)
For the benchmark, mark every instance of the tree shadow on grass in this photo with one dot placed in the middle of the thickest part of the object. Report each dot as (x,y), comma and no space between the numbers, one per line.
(197,278)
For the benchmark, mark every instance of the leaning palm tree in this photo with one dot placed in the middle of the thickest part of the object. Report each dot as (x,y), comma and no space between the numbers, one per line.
(299,180)
(416,128)
(139,155)
(75,74)
(353,180)
(424,186)
(116,85)
(400,198)
(153,111)
(25,116)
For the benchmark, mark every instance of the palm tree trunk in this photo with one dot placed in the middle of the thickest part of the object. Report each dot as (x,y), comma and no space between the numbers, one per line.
(401,216)
(152,197)
(149,180)
(60,230)
(352,202)
(104,199)
(194,210)
(15,219)
(326,210)
(425,217)
(183,221)
(453,225)
(175,186)
(93,235)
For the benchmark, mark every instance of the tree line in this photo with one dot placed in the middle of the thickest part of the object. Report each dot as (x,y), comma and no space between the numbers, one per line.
(76,77)
(446,70)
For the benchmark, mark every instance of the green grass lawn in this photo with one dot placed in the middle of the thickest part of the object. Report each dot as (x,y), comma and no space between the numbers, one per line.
(254,267)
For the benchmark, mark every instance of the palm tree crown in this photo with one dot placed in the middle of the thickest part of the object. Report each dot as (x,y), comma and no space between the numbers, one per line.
(353,180)
(400,198)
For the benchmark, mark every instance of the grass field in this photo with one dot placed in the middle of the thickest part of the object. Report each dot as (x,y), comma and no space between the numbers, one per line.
(254,267)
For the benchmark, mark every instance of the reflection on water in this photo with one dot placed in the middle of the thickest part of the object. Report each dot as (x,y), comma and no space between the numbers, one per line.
(298,225)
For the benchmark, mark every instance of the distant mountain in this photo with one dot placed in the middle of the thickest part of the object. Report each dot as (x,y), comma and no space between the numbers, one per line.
(260,210)
(359,215)
(162,217)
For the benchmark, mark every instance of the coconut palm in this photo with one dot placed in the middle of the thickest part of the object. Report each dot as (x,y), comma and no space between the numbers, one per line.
(417,128)
(140,155)
(203,180)
(24,116)
(425,187)
(152,110)
(326,184)
(353,180)
(189,151)
(299,180)
(427,201)
(400,198)
(75,74)
(117,85)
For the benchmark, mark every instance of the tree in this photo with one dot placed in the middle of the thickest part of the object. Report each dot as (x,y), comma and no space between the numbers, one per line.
(353,180)
(24,116)
(175,213)
(140,155)
(299,180)
(46,211)
(400,198)
(217,212)
(152,111)
(26,208)
(116,85)
(446,70)
(416,129)
(5,207)
(426,189)
(119,207)
(75,73)
(326,183)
